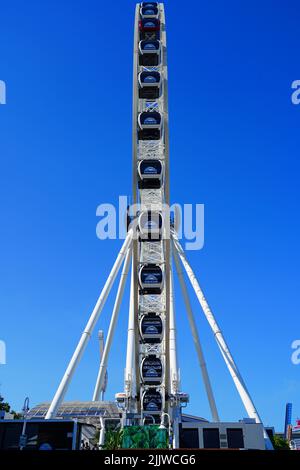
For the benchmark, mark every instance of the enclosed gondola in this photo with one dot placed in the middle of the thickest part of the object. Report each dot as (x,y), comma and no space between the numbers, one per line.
(149,5)
(152,401)
(149,125)
(149,53)
(149,12)
(150,226)
(151,279)
(151,370)
(149,29)
(151,328)
(149,85)
(150,174)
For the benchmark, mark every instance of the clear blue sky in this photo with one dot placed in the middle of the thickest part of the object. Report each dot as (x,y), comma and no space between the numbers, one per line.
(65,147)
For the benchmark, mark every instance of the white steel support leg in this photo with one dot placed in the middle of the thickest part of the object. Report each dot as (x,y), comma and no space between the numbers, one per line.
(166,187)
(236,376)
(174,411)
(174,376)
(101,349)
(63,386)
(232,367)
(130,354)
(191,319)
(135,105)
(172,341)
(112,327)
(102,432)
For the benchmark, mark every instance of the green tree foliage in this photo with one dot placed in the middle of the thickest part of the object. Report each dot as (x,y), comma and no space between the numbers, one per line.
(113,440)
(280,443)
(5,406)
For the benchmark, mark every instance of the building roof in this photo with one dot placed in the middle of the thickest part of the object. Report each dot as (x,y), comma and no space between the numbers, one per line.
(90,411)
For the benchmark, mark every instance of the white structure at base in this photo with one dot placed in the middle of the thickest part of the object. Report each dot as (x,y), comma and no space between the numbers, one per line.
(250,435)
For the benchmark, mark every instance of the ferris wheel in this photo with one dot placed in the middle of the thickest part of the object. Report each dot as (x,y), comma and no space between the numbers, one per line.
(155,379)
(152,388)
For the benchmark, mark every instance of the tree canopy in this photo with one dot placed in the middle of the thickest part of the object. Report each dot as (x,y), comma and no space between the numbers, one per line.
(5,406)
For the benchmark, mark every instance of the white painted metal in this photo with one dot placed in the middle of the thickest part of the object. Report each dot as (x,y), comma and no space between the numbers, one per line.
(102,432)
(151,149)
(152,199)
(167,194)
(172,342)
(196,339)
(112,327)
(135,252)
(63,386)
(175,411)
(135,104)
(101,348)
(152,252)
(232,367)
(130,356)
(176,418)
(153,303)
(101,342)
